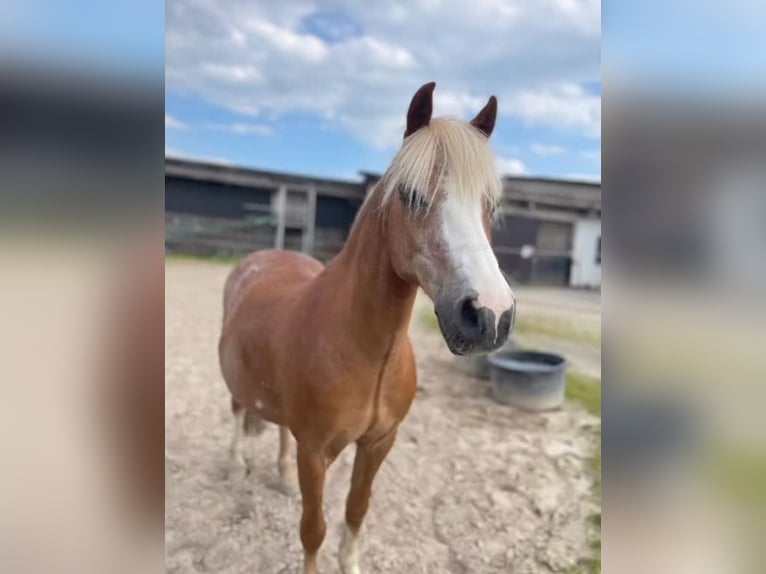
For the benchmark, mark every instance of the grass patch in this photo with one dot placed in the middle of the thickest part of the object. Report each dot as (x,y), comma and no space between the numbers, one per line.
(739,474)
(224,259)
(535,325)
(556,328)
(736,475)
(429,319)
(584,390)
(592,565)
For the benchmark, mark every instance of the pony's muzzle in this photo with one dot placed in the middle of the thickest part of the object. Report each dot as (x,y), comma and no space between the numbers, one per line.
(469,328)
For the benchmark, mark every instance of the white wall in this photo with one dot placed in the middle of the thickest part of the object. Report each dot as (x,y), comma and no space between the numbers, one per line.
(586,270)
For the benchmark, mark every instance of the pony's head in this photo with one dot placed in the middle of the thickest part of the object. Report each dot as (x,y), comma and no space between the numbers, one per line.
(440,194)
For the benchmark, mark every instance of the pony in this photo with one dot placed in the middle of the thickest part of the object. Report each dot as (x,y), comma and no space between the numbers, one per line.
(324,351)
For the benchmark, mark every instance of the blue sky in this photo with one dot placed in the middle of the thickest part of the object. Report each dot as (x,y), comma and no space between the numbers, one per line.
(703,49)
(323,87)
(122,37)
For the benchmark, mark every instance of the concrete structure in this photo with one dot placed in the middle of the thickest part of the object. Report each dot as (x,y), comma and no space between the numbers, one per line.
(586,254)
(548,233)
(213,209)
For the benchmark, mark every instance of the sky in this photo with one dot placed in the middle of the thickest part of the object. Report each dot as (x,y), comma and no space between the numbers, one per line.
(322,87)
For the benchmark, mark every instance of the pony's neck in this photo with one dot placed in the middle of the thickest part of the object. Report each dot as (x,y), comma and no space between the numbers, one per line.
(379,302)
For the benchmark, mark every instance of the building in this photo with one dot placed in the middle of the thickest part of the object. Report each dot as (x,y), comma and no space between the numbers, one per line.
(549,231)
(215,209)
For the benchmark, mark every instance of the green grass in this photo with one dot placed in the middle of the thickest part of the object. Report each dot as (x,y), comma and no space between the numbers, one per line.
(739,474)
(556,328)
(584,390)
(581,389)
(227,260)
(592,565)
(428,318)
(537,325)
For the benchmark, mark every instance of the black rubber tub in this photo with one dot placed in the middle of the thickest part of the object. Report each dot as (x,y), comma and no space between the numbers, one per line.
(478,365)
(530,380)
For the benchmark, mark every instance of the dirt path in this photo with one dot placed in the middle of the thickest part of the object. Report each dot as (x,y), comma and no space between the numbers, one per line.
(470,487)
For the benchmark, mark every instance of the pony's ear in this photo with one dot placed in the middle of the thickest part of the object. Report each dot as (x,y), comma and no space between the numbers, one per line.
(421,108)
(485,119)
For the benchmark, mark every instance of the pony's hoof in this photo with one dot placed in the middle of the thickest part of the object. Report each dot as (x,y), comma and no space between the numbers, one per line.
(288,482)
(346,568)
(348,553)
(238,469)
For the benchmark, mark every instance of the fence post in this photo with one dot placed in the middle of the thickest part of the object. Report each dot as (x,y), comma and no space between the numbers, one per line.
(279,239)
(310,224)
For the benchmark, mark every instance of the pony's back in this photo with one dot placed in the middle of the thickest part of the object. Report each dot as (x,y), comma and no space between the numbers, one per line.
(268,269)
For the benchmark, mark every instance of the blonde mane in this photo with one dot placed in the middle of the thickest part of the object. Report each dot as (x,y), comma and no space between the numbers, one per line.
(445,149)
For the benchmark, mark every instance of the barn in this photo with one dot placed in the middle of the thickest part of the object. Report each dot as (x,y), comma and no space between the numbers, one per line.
(215,209)
(549,232)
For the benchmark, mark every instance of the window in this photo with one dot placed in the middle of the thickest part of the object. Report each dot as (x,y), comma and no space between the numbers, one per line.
(598,250)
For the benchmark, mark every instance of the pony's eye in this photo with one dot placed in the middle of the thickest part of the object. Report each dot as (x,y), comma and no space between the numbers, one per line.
(414,201)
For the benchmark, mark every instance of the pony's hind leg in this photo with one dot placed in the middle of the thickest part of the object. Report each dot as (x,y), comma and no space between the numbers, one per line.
(246,425)
(288,474)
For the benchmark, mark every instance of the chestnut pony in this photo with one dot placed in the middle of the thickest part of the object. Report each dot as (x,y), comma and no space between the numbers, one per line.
(324,352)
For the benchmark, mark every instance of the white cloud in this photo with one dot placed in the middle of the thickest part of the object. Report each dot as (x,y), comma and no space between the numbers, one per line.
(565,106)
(172,123)
(259,59)
(245,129)
(511,166)
(231,74)
(547,150)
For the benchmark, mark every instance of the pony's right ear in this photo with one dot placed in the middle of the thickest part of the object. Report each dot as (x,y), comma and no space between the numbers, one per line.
(421,108)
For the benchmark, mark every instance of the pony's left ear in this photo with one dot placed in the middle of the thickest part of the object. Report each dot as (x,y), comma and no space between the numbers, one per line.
(485,119)
(421,108)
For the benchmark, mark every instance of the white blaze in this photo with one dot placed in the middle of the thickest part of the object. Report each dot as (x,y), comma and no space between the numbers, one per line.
(472,255)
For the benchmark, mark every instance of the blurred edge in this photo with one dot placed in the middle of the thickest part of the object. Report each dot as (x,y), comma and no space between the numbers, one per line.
(684,300)
(82,308)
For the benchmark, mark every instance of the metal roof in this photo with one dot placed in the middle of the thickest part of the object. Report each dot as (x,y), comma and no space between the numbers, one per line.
(520,192)
(530,192)
(247,177)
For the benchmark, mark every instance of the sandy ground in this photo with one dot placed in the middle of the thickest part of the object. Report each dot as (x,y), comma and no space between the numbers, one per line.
(470,487)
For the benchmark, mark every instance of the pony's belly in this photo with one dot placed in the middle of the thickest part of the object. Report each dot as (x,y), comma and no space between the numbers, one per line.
(263,398)
(255,390)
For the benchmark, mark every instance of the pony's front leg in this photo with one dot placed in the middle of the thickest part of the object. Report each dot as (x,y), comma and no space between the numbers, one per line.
(312,466)
(369,457)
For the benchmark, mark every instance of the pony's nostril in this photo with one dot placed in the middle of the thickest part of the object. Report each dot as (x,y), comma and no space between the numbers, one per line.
(469,315)
(505,324)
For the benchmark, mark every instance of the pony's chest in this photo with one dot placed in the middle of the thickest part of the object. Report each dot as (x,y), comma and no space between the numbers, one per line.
(353,395)
(394,391)
(381,405)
